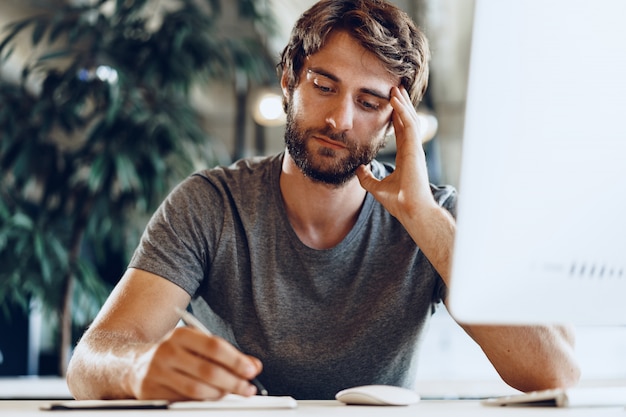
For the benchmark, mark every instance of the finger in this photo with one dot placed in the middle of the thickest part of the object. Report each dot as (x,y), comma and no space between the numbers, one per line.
(201,378)
(404,97)
(213,361)
(182,386)
(367,180)
(400,120)
(408,119)
(157,376)
(404,108)
(221,352)
(396,117)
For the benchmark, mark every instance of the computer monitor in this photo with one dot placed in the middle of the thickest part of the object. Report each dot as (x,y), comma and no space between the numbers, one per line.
(541,231)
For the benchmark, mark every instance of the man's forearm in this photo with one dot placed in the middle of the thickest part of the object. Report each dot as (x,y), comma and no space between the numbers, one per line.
(529,358)
(433,229)
(101,365)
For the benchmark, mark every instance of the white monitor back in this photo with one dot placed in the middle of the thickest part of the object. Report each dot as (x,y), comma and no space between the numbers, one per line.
(541,231)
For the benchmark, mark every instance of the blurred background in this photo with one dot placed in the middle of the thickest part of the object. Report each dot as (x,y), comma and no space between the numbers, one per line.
(106,104)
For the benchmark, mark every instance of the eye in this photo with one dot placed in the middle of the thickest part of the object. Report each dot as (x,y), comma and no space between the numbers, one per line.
(370,105)
(323,87)
(320,82)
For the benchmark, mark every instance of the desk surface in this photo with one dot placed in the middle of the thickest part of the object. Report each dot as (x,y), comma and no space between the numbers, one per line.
(12,389)
(428,408)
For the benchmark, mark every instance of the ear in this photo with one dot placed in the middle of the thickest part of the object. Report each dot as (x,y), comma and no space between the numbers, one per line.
(284,85)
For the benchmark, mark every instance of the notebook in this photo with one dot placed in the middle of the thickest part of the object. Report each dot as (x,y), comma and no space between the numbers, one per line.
(612,396)
(230,401)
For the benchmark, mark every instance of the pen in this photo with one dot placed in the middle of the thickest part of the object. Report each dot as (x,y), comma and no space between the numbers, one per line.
(192,321)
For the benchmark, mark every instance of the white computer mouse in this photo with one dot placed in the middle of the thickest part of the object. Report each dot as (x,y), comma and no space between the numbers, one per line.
(377,395)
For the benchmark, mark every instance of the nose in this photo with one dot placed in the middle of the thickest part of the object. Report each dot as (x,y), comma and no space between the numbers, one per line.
(340,116)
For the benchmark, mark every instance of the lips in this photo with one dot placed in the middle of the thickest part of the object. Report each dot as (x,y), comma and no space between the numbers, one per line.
(326,141)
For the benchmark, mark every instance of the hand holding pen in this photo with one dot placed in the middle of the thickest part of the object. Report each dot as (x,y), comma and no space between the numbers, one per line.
(192,321)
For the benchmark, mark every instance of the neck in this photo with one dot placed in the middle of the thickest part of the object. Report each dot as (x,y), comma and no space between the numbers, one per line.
(320,214)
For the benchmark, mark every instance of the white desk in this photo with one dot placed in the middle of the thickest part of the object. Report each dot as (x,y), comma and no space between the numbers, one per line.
(425,408)
(15,391)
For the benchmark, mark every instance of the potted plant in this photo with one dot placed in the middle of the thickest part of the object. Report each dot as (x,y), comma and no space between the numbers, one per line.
(96,132)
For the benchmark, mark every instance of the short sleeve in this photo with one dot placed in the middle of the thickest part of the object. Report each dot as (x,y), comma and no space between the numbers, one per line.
(178,239)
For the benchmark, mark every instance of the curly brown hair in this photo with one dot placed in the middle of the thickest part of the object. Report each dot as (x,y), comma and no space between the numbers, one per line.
(380,27)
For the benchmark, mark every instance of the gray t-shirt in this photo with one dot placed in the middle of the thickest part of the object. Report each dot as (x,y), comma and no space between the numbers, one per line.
(319,320)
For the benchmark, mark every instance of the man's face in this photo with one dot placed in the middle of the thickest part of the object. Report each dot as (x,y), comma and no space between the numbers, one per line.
(339,114)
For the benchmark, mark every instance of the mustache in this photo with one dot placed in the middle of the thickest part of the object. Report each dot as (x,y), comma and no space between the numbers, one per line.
(331,134)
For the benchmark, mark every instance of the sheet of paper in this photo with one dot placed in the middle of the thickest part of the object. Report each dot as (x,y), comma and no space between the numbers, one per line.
(236,401)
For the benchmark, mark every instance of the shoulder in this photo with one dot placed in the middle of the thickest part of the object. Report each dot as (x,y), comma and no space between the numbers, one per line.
(446,196)
(246,186)
(211,190)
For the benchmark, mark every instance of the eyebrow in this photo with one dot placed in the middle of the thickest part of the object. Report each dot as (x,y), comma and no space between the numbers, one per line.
(334,78)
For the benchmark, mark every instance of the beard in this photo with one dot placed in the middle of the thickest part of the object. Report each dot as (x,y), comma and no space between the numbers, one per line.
(324,165)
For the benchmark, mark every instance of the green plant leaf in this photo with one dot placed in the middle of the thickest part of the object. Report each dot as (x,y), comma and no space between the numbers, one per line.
(42,259)
(62,53)
(98,173)
(126,174)
(59,251)
(22,221)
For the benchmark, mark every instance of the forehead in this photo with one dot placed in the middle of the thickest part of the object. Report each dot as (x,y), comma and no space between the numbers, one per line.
(344,57)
